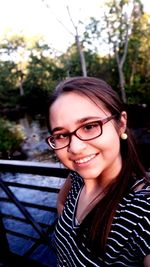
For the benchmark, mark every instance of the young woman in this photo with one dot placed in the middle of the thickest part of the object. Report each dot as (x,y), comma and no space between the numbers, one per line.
(104,205)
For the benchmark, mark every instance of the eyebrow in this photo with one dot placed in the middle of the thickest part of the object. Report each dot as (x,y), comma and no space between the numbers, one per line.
(82,120)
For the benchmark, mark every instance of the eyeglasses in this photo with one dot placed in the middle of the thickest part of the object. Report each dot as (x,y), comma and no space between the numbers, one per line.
(86,132)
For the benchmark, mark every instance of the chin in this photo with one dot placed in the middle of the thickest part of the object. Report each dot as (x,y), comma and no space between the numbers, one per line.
(89,175)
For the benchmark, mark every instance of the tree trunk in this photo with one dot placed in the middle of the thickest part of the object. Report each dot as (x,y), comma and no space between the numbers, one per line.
(79,48)
(21,88)
(81,54)
(122,84)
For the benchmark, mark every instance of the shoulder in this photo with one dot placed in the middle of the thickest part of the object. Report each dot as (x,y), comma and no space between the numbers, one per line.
(132,219)
(141,192)
(142,185)
(138,199)
(135,205)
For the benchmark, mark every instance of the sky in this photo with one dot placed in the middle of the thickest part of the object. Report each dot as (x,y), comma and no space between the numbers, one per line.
(33,17)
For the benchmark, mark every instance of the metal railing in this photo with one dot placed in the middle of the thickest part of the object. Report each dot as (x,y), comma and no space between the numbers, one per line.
(26,224)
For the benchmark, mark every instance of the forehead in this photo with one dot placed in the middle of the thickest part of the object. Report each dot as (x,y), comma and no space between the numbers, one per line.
(72,106)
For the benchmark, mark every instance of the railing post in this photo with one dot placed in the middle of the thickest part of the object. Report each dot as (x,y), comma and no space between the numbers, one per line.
(4,247)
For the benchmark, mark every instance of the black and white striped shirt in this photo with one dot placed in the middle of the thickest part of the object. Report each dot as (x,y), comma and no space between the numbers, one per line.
(129,239)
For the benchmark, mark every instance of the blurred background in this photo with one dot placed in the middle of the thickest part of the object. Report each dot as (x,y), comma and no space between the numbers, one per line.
(45,41)
(41,43)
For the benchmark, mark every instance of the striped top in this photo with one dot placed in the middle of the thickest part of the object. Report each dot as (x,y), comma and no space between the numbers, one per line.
(129,239)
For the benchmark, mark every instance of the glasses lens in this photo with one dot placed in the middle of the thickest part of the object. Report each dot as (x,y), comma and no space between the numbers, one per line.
(90,130)
(51,142)
(58,141)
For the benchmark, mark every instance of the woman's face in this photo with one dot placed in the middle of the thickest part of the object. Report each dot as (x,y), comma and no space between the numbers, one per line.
(97,158)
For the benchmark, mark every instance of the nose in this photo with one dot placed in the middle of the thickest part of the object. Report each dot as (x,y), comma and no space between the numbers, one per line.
(76,145)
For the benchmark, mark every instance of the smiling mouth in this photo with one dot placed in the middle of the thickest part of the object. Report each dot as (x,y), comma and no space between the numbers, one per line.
(84,160)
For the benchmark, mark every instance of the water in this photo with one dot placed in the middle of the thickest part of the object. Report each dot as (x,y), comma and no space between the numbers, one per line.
(35,132)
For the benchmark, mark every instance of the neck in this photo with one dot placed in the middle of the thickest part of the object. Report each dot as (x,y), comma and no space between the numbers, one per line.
(90,195)
(92,188)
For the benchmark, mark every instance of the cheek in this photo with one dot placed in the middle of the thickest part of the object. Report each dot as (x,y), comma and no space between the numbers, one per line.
(113,146)
(63,158)
(109,142)
(61,155)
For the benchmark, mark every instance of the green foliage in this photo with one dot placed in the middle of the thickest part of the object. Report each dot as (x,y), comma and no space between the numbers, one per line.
(8,90)
(139,92)
(39,73)
(32,69)
(11,137)
(137,66)
(97,66)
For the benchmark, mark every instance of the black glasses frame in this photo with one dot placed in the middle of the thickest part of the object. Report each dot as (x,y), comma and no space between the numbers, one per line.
(101,123)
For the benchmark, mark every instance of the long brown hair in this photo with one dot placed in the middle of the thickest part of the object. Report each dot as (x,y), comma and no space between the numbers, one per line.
(99,220)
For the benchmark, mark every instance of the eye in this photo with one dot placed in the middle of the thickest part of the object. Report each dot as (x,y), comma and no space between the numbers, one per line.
(60,136)
(91,126)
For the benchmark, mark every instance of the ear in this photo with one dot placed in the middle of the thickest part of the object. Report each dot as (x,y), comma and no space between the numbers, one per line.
(123,122)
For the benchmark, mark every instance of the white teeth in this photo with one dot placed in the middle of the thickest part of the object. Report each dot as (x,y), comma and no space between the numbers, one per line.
(85,159)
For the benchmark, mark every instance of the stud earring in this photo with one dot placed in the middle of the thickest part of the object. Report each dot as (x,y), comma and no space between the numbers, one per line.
(123,136)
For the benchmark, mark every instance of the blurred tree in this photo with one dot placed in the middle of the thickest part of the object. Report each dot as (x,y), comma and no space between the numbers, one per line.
(120,18)
(76,35)
(115,29)
(79,44)
(29,69)
(8,88)
(13,60)
(137,67)
(15,49)
(43,72)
